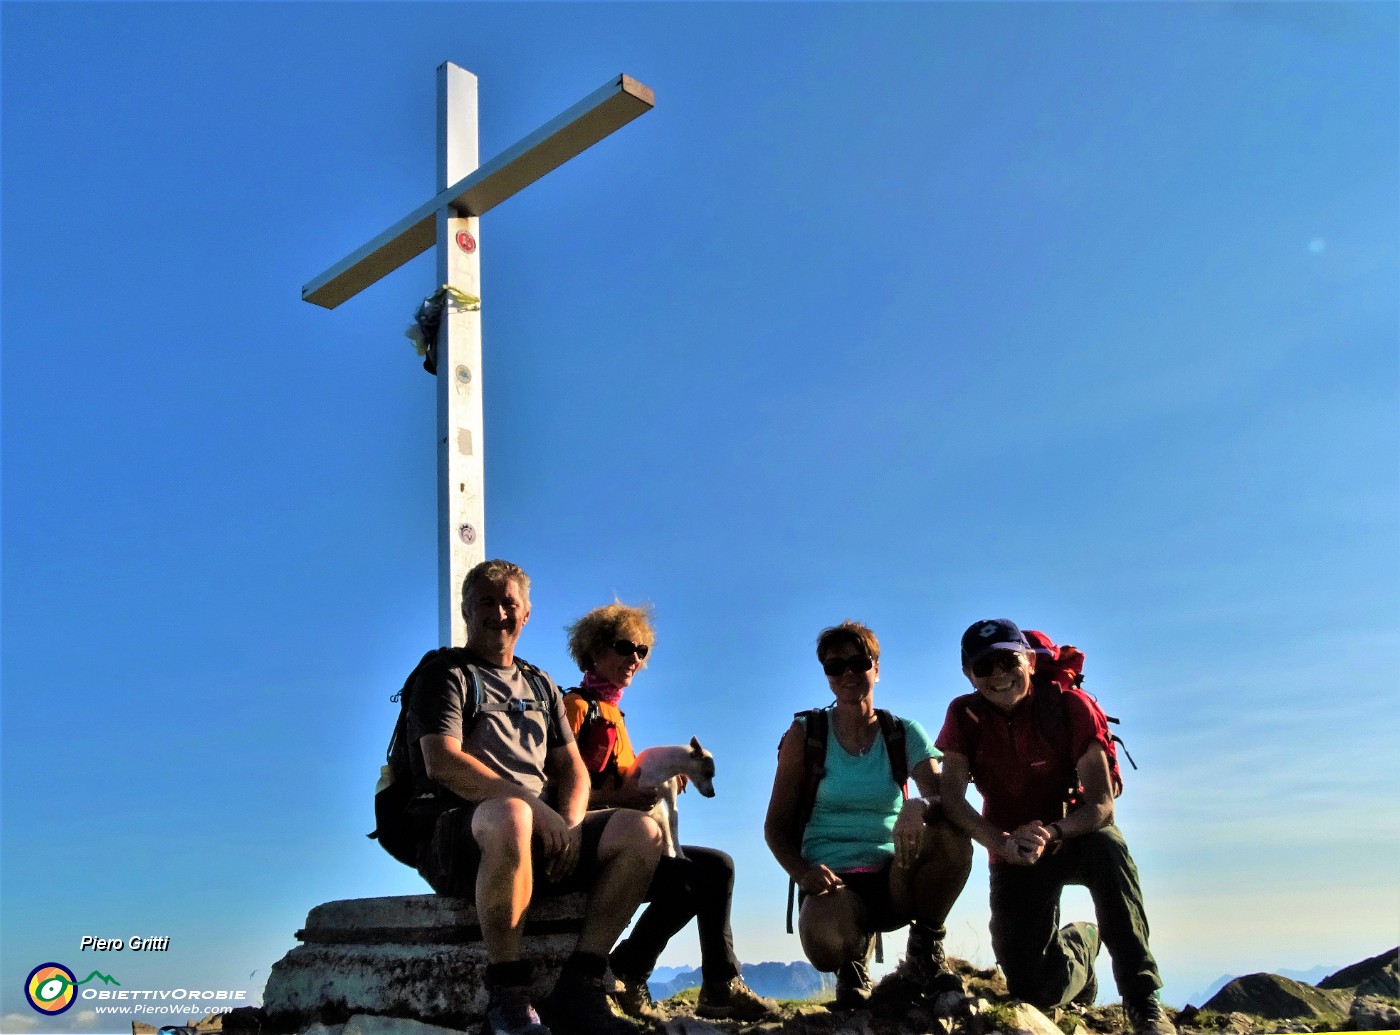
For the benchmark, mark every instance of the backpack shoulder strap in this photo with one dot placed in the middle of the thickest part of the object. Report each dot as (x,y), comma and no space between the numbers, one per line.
(1049,701)
(539,686)
(896,747)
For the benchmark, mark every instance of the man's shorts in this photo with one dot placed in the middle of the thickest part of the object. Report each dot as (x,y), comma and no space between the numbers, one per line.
(450,860)
(872,887)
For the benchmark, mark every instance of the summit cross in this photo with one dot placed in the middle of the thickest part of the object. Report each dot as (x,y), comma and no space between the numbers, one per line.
(450,220)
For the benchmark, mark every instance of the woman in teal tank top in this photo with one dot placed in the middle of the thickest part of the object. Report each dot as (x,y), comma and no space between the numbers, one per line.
(866,859)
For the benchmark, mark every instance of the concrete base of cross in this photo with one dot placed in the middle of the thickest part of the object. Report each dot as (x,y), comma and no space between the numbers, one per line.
(414,956)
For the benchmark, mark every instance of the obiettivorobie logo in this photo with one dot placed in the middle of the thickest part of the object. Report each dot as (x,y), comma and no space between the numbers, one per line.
(51,987)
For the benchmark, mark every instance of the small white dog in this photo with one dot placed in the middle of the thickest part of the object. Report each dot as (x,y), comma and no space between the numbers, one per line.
(659,769)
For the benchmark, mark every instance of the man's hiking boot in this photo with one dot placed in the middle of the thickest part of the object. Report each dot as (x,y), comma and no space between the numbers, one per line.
(510,1013)
(1146,1015)
(852,986)
(733,1000)
(1088,936)
(633,998)
(580,1005)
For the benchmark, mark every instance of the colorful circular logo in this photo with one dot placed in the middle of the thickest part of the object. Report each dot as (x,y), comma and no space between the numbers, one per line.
(49,988)
(466,241)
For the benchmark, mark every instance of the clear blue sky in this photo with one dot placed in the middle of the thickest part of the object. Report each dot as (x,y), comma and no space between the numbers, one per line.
(918,314)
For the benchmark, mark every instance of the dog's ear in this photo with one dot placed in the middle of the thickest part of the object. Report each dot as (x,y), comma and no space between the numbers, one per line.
(695,748)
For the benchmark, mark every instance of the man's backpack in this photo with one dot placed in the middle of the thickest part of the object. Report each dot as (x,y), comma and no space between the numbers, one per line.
(1058,670)
(404,815)
(817,721)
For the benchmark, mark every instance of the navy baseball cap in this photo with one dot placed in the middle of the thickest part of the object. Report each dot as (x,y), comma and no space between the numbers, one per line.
(991,634)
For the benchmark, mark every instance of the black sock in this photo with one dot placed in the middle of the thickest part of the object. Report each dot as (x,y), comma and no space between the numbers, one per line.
(510,974)
(584,965)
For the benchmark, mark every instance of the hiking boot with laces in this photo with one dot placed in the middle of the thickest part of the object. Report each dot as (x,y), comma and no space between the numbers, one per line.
(580,1005)
(922,973)
(1146,1015)
(733,1000)
(510,1013)
(1088,935)
(852,986)
(633,998)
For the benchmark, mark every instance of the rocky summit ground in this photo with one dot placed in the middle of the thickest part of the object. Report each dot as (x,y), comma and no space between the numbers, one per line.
(1363,997)
(1367,1000)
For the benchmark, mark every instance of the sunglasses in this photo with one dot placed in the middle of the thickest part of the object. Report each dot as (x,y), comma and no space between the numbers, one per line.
(626,648)
(983,667)
(834,667)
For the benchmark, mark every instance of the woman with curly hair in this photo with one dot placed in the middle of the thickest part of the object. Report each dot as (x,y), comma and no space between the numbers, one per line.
(610,645)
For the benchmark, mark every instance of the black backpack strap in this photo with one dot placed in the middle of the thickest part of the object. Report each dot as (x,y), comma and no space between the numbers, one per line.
(816,722)
(892,729)
(539,685)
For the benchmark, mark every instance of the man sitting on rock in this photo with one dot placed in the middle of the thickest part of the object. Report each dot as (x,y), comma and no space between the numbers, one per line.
(504,761)
(1035,847)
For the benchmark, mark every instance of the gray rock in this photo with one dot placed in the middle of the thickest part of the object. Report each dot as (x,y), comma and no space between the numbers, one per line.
(1024,1019)
(1371,1013)
(950,1004)
(691,1026)
(362,1024)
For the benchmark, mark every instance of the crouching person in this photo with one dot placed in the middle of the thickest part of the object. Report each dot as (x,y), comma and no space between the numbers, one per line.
(487,735)
(1024,748)
(864,859)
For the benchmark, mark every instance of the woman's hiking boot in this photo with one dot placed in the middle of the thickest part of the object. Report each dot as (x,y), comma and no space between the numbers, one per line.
(852,986)
(733,1000)
(633,998)
(1145,1014)
(579,1004)
(921,974)
(510,1013)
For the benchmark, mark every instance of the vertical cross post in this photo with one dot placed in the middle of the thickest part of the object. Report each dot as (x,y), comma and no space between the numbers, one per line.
(461,469)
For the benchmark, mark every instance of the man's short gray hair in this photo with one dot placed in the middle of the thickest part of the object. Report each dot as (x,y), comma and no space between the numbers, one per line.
(497,573)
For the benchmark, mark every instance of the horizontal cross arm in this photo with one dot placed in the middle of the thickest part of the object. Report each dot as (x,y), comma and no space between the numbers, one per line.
(608,108)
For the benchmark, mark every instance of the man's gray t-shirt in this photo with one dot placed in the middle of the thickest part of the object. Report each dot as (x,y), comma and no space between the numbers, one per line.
(512,744)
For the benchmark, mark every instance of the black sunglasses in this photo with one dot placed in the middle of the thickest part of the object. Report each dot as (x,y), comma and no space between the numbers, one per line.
(626,648)
(834,667)
(984,667)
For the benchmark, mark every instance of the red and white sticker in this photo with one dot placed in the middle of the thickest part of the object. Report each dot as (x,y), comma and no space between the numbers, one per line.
(466,241)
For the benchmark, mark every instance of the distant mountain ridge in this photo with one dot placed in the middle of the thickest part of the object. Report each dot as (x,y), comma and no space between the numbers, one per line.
(776,980)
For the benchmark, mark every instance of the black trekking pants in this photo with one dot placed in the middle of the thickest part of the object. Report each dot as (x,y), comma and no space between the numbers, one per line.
(1041,965)
(700,886)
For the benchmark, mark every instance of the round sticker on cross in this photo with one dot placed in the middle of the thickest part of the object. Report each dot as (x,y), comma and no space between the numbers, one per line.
(467,534)
(466,241)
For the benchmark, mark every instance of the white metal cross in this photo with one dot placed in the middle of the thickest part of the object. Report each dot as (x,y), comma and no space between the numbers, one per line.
(450,220)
